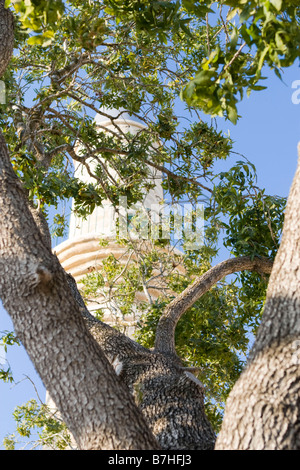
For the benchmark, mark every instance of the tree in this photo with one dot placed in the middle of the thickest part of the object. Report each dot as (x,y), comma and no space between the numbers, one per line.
(84,58)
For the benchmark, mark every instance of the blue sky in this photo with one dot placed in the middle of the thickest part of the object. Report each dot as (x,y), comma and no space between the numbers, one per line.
(267,134)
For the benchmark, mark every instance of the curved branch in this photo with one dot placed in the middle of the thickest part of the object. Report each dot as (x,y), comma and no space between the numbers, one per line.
(164,341)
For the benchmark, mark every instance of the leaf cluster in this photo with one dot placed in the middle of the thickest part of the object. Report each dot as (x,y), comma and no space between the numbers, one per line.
(241,38)
(8,338)
(39,16)
(33,417)
(254,220)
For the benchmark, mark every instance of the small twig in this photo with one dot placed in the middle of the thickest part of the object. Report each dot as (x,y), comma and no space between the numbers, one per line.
(191,369)
(207,35)
(37,394)
(234,57)
(224,25)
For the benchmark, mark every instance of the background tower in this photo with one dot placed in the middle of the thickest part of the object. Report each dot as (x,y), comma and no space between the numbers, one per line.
(81,253)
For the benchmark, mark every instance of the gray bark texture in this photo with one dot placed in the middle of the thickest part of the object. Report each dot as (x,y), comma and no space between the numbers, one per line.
(263,409)
(6,37)
(170,398)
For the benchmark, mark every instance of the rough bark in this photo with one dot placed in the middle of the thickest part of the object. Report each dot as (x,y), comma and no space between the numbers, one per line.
(263,409)
(171,400)
(165,333)
(6,37)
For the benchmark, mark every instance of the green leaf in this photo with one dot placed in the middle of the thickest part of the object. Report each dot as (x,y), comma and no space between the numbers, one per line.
(232,114)
(36,40)
(277,4)
(234,38)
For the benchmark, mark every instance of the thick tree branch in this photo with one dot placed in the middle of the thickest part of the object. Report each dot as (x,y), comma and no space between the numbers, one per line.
(164,341)
(41,224)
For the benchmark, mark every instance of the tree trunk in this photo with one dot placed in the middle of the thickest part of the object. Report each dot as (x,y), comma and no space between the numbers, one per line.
(99,407)
(263,409)
(6,36)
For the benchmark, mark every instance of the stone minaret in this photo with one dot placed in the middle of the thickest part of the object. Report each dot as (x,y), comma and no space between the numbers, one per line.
(81,252)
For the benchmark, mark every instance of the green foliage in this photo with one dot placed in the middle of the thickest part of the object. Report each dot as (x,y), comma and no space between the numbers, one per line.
(249,36)
(77,77)
(153,17)
(40,16)
(255,220)
(267,34)
(6,375)
(33,417)
(8,338)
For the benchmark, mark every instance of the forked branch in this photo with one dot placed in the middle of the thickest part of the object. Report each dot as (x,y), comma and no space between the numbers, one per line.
(165,333)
